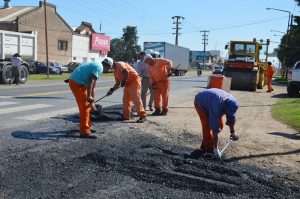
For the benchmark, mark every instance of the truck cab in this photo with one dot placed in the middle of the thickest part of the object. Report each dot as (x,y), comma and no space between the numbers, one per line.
(293,87)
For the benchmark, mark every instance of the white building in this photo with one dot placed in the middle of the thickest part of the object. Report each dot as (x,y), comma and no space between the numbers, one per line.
(88,45)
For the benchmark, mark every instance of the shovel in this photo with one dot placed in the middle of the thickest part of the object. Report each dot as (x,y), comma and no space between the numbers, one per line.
(97,108)
(221,152)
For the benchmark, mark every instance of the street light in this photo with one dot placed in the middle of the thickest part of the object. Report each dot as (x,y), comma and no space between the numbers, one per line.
(283,11)
(277,31)
(278,35)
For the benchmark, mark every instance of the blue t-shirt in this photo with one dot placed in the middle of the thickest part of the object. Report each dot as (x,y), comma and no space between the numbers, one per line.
(212,101)
(82,73)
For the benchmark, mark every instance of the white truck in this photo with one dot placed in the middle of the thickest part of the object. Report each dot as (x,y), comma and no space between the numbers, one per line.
(177,54)
(14,42)
(293,87)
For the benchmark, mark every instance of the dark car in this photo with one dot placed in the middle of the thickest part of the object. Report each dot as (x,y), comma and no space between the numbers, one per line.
(72,65)
(40,67)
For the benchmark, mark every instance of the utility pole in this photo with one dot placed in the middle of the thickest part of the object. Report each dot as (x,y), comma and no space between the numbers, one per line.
(100,25)
(204,42)
(177,28)
(46,37)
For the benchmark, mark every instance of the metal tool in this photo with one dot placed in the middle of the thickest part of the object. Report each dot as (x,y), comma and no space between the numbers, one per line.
(100,98)
(221,152)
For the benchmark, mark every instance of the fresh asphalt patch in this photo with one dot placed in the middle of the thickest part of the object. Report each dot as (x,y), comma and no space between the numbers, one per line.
(48,160)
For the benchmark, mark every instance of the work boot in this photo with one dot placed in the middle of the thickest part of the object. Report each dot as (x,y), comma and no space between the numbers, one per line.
(88,136)
(150,108)
(164,112)
(156,112)
(93,131)
(141,120)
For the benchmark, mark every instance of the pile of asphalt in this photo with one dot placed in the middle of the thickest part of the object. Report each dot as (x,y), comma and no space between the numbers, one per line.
(48,160)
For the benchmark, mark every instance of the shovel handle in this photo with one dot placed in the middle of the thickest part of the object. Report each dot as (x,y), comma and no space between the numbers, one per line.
(100,98)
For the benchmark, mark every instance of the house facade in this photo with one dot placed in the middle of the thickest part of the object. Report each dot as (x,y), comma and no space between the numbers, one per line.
(29,19)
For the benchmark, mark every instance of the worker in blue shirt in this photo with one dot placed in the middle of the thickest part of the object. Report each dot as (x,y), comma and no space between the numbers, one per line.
(211,104)
(82,82)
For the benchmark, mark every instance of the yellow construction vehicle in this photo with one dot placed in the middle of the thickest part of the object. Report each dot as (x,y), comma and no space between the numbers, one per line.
(245,66)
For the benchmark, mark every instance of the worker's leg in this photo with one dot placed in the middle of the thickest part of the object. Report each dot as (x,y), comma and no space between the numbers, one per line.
(157,97)
(80,93)
(151,100)
(127,104)
(165,89)
(268,82)
(134,89)
(208,142)
(145,86)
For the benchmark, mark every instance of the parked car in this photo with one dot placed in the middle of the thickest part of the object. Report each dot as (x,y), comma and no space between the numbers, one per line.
(59,66)
(72,65)
(217,69)
(40,67)
(293,87)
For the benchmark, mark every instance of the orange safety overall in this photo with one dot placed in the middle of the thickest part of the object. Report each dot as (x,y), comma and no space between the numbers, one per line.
(132,90)
(80,93)
(269,75)
(158,72)
(208,135)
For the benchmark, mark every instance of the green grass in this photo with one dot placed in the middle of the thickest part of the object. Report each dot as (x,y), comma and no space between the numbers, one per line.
(280,79)
(58,77)
(288,112)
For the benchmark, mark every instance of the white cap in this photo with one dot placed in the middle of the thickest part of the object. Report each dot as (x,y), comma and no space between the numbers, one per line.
(147,56)
(108,60)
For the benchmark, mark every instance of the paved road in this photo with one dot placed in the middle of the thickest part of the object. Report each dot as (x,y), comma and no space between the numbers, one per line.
(37,100)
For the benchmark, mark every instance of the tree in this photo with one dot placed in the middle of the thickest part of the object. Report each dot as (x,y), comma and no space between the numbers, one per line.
(289,49)
(126,48)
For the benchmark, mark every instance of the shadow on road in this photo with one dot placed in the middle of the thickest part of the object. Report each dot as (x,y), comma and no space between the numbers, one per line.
(295,136)
(53,135)
(262,155)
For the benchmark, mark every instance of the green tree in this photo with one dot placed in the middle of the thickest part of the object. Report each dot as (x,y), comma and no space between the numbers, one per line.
(289,49)
(125,48)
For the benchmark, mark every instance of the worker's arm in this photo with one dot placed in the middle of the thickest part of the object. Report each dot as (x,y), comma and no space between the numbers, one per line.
(91,88)
(125,77)
(233,135)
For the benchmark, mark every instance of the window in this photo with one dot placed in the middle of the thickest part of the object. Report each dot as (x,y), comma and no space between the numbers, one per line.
(62,45)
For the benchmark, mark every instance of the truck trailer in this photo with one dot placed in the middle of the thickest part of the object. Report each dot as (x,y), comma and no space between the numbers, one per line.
(177,54)
(14,42)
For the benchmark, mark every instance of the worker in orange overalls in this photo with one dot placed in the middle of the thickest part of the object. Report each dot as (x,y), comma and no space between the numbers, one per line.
(270,72)
(159,70)
(82,82)
(127,77)
(211,104)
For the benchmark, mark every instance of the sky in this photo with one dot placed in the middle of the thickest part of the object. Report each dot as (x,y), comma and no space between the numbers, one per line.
(224,19)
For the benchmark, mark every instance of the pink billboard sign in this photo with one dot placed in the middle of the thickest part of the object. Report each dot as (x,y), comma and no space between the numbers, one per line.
(100,42)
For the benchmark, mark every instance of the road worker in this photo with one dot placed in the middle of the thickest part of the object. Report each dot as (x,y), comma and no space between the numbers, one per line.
(16,61)
(127,77)
(159,70)
(82,82)
(142,70)
(269,75)
(211,104)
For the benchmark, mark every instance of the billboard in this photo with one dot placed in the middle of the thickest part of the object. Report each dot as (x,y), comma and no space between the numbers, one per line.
(100,42)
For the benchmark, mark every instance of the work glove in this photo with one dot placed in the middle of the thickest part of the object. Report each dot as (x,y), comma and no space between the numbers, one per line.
(234,137)
(90,100)
(123,83)
(111,90)
(154,86)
